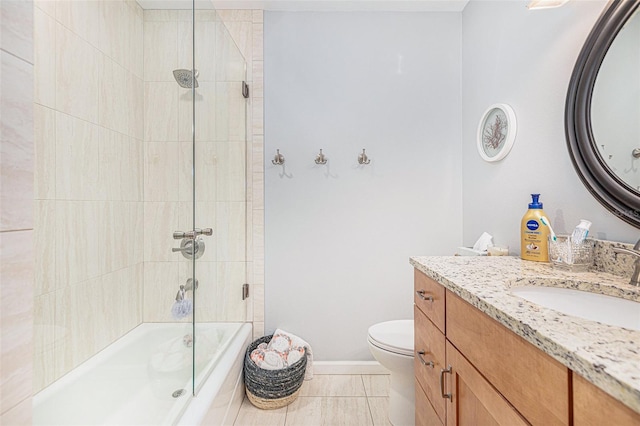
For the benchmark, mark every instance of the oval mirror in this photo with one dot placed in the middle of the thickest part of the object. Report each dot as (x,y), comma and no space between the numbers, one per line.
(602,113)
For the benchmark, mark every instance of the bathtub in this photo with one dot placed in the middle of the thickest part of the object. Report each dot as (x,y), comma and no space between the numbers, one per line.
(144,378)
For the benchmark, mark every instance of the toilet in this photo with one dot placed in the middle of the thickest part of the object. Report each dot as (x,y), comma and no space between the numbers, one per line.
(391,344)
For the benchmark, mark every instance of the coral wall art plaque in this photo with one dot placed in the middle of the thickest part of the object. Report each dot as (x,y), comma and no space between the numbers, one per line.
(496,132)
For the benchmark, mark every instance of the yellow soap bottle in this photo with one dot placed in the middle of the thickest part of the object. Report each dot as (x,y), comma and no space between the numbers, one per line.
(534,235)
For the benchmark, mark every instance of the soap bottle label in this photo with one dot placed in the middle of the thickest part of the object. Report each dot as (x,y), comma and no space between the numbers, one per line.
(534,242)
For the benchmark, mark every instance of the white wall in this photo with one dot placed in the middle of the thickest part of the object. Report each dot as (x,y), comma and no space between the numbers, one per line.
(338,237)
(525,58)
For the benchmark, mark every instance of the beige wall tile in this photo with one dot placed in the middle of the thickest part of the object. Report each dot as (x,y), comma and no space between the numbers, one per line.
(258,79)
(78,66)
(161,50)
(206,104)
(209,161)
(232,15)
(231,277)
(258,42)
(16,24)
(161,171)
(258,190)
(47,6)
(45,247)
(160,220)
(257,297)
(241,34)
(115,27)
(16,317)
(114,97)
(77,159)
(79,245)
(44,35)
(18,415)
(160,15)
(257,116)
(161,111)
(231,173)
(83,18)
(258,330)
(16,143)
(45,152)
(44,341)
(231,231)
(208,302)
(230,112)
(161,283)
(135,88)
(257,16)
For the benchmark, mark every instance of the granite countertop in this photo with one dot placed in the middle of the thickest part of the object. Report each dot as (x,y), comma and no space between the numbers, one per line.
(607,356)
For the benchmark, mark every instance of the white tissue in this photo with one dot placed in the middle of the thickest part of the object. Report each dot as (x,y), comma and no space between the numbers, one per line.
(485,241)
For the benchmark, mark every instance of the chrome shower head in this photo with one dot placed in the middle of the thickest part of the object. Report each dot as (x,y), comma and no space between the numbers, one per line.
(185,79)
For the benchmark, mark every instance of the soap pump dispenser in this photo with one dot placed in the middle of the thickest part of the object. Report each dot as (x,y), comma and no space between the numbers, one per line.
(534,236)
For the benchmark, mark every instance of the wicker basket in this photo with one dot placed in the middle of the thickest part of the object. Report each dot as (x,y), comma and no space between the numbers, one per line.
(271,389)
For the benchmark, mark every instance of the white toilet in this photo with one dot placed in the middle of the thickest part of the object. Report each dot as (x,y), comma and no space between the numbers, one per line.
(391,344)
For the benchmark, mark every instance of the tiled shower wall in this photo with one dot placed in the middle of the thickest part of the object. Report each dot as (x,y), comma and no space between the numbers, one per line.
(220,152)
(16,213)
(88,115)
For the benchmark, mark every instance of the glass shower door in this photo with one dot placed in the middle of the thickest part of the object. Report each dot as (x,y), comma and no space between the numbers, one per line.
(219,189)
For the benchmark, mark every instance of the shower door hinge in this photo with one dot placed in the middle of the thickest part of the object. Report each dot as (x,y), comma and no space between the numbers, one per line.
(245,291)
(245,90)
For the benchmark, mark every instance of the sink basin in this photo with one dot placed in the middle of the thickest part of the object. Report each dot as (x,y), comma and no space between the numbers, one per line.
(591,306)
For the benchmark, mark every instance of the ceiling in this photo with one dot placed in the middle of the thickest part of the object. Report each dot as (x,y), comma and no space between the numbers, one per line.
(313,5)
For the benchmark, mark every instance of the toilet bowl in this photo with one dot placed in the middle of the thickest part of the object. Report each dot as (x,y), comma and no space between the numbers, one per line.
(391,344)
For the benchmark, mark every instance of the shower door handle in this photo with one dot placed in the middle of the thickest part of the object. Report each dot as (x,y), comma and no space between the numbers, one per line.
(178,235)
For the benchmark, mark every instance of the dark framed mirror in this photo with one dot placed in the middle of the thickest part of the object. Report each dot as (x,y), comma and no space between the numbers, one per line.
(605,159)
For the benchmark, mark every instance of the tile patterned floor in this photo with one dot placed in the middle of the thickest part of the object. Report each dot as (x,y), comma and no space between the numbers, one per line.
(328,400)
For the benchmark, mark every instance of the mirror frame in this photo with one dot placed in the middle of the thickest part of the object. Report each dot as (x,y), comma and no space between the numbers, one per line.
(611,191)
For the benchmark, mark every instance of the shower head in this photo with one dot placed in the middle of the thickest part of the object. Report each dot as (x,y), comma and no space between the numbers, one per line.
(185,79)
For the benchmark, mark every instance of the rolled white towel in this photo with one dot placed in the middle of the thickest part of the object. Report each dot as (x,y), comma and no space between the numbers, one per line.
(282,338)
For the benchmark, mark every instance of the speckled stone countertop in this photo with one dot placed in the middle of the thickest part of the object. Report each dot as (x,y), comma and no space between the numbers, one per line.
(607,356)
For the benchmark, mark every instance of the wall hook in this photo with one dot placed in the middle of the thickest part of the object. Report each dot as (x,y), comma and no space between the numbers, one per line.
(278,160)
(321,159)
(363,159)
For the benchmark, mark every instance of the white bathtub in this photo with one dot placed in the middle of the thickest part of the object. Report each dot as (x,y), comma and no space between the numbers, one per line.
(132,381)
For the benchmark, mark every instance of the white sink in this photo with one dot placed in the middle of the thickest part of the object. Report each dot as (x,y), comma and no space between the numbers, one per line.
(591,306)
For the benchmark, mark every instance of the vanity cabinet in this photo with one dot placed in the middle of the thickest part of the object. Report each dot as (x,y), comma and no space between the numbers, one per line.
(471,370)
(594,407)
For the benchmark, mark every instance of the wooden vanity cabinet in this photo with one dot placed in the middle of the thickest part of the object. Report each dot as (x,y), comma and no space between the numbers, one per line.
(487,374)
(594,407)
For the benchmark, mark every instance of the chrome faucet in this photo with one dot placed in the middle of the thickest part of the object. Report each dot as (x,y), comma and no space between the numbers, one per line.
(635,278)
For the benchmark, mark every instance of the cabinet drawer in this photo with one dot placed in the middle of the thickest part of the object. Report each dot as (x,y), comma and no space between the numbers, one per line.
(425,414)
(593,407)
(429,297)
(427,366)
(533,382)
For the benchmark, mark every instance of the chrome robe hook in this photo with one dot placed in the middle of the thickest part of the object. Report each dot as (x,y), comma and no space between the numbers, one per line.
(321,159)
(363,159)
(278,160)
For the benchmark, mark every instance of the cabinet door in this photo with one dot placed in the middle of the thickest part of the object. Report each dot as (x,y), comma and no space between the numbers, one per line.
(473,401)
(425,414)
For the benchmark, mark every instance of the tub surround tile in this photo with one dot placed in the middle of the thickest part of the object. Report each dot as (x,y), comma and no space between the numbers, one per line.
(16,317)
(45,152)
(44,36)
(605,355)
(18,415)
(16,23)
(16,143)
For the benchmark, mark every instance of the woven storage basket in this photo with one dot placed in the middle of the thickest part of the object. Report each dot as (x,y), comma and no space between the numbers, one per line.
(271,389)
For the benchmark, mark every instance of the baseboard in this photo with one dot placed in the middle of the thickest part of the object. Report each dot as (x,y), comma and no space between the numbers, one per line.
(348,367)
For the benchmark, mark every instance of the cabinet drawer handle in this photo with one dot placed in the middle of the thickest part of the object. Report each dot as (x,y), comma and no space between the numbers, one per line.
(422,360)
(421,295)
(442,371)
